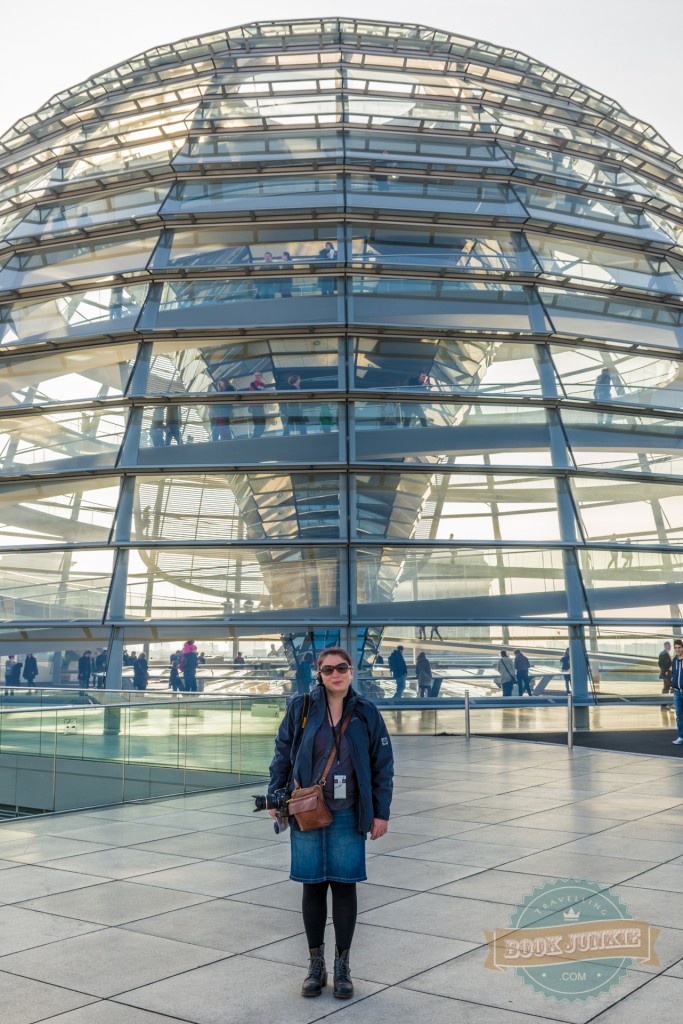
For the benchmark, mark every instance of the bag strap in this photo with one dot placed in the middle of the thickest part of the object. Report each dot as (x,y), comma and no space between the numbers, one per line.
(300,735)
(347,719)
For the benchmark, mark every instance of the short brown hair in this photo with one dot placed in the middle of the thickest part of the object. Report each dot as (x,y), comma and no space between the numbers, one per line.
(334,650)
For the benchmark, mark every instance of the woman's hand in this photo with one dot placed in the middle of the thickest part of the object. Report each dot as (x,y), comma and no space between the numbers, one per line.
(379,828)
(273,813)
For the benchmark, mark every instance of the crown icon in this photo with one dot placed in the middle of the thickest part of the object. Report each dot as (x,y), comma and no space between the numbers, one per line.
(571,914)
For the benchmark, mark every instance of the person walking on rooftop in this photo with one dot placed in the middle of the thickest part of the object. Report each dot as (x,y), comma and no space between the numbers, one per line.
(522,666)
(399,670)
(334,723)
(423,671)
(664,662)
(506,673)
(677,686)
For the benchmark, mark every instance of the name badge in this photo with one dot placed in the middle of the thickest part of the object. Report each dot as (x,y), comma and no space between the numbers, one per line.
(340,787)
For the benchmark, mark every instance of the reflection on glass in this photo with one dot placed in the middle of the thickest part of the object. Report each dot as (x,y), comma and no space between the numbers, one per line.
(457,507)
(120,161)
(621,441)
(603,265)
(483,305)
(405,150)
(632,584)
(477,251)
(477,435)
(222,583)
(173,424)
(208,195)
(642,512)
(55,585)
(634,377)
(196,368)
(72,314)
(78,259)
(617,319)
(590,212)
(87,212)
(445,365)
(71,375)
(56,440)
(268,147)
(477,582)
(57,513)
(237,506)
(391,180)
(263,300)
(268,248)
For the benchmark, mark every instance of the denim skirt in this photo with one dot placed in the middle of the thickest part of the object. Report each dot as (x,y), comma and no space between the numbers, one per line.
(332,854)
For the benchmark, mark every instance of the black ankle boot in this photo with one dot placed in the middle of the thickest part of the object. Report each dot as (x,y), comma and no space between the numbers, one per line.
(343,986)
(316,979)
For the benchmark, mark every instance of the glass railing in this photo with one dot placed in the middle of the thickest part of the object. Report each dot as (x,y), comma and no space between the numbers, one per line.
(87,755)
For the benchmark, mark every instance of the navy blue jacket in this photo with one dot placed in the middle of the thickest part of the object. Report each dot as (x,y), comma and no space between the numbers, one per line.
(369,746)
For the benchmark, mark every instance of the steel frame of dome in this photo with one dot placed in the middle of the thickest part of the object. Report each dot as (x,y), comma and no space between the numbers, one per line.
(487,436)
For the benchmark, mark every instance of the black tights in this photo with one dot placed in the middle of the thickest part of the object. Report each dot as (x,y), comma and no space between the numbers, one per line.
(344,911)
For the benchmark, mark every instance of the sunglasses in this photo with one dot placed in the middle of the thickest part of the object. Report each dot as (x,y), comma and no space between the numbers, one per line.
(342,668)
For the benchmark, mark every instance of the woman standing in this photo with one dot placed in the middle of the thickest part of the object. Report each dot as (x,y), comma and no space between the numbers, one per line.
(357,790)
(423,671)
(140,675)
(506,673)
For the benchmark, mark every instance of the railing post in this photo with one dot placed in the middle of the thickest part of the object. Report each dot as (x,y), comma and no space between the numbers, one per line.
(467,715)
(570,721)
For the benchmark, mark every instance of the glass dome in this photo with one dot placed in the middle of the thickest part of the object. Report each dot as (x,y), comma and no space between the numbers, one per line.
(340,331)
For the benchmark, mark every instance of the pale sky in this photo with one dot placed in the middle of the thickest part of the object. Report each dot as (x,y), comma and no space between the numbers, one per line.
(628,49)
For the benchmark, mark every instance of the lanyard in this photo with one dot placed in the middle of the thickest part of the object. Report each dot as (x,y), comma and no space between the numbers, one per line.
(336,732)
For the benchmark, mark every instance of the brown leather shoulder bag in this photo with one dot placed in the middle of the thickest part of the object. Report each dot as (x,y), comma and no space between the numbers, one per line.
(308,805)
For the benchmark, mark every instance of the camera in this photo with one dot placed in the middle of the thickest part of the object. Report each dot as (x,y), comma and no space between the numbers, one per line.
(276,801)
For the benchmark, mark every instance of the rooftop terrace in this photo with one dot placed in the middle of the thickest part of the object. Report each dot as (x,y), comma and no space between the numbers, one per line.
(181,910)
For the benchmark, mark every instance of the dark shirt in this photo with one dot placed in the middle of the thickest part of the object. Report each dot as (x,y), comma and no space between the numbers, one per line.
(664,661)
(677,673)
(322,745)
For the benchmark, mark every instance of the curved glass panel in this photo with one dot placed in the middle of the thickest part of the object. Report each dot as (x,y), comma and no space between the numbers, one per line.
(87,212)
(254,431)
(482,583)
(612,375)
(72,375)
(202,303)
(590,213)
(268,248)
(446,365)
(115,308)
(595,264)
(207,196)
(197,367)
(456,507)
(212,583)
(237,506)
(617,319)
(485,306)
(55,585)
(623,441)
(78,259)
(632,584)
(454,433)
(458,250)
(50,512)
(641,512)
(391,182)
(262,147)
(56,440)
